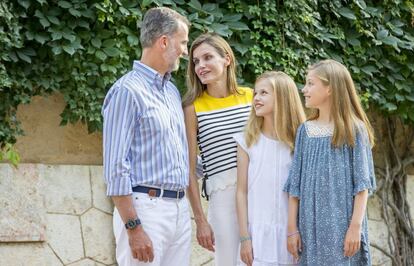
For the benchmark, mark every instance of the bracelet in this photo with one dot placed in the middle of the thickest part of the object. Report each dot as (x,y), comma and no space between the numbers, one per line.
(292,234)
(245,238)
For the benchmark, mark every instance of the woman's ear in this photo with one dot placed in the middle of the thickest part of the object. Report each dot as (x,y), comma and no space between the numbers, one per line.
(227,60)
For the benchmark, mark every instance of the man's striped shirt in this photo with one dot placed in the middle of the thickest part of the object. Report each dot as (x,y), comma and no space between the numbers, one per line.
(144,138)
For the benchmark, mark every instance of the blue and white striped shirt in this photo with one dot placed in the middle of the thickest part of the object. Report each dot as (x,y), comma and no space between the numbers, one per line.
(144,138)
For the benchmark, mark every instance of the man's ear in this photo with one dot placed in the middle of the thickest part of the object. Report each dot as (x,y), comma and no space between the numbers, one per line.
(162,42)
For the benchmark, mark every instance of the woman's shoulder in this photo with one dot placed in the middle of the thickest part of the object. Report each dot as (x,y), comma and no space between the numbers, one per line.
(247,91)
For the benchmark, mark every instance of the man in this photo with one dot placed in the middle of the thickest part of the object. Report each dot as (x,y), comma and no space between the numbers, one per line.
(145,149)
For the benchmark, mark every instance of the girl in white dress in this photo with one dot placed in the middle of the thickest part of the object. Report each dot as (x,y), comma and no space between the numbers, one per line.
(264,155)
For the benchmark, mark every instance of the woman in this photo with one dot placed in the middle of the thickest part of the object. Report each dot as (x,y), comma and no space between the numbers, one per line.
(215,109)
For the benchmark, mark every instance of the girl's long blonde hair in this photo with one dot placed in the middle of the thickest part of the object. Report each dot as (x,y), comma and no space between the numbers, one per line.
(346,110)
(194,86)
(288,112)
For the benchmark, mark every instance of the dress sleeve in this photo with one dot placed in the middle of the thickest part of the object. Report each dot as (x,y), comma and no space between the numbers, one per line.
(363,175)
(292,185)
(239,138)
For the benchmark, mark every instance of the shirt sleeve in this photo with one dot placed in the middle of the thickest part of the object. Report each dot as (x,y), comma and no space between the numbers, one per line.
(119,115)
(292,185)
(363,174)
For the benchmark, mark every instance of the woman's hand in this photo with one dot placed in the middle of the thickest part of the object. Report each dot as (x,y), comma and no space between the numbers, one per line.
(246,252)
(294,244)
(205,235)
(352,241)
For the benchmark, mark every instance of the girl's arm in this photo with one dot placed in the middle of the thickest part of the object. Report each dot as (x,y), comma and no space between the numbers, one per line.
(293,237)
(246,251)
(205,235)
(353,235)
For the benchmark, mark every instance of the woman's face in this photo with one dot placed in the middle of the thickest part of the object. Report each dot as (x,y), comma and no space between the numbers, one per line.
(209,65)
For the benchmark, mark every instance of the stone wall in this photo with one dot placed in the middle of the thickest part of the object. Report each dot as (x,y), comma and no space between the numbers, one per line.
(59,215)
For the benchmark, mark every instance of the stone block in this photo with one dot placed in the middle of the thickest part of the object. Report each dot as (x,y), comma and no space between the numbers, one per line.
(33,254)
(378,234)
(21,204)
(98,236)
(99,198)
(64,237)
(374,208)
(67,189)
(86,262)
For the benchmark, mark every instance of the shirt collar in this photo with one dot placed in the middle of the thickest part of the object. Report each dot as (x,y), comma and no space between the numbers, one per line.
(152,75)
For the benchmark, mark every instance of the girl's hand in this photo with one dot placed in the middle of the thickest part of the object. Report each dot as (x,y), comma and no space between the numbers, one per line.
(294,245)
(246,252)
(352,240)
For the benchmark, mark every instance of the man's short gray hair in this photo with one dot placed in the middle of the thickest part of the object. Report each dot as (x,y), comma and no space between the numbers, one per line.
(159,21)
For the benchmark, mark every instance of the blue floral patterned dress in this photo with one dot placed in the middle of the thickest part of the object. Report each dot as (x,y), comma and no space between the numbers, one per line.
(326,179)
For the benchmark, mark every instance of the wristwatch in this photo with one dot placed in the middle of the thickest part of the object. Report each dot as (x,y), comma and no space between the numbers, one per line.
(131,223)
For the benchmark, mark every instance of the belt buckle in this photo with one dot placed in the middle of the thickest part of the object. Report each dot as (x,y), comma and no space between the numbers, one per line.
(152,193)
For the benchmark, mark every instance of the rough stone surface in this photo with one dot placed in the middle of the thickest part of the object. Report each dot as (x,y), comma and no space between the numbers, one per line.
(410,194)
(378,234)
(21,204)
(45,141)
(22,254)
(99,198)
(374,208)
(98,237)
(86,262)
(64,237)
(68,188)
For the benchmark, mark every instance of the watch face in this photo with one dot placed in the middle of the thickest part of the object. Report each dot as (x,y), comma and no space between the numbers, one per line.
(131,224)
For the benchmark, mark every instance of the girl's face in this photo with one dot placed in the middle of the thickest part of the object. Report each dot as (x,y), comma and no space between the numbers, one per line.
(209,65)
(263,100)
(316,93)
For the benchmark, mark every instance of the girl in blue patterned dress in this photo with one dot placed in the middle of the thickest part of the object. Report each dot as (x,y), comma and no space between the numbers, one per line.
(332,173)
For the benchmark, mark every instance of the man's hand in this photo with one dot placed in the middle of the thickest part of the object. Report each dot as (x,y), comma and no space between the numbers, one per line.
(140,244)
(205,235)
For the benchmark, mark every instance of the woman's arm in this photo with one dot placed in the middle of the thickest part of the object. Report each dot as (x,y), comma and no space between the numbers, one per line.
(205,235)
(353,235)
(246,251)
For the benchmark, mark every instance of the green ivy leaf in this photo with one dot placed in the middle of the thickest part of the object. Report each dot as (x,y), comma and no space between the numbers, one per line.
(111,51)
(53,20)
(64,4)
(96,42)
(75,12)
(195,4)
(236,25)
(24,57)
(346,12)
(68,49)
(45,23)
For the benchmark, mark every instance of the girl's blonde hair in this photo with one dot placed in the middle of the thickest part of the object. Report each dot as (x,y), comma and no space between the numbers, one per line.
(288,112)
(194,86)
(346,110)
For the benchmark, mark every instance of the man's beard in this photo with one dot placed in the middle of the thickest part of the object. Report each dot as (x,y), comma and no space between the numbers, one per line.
(173,66)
